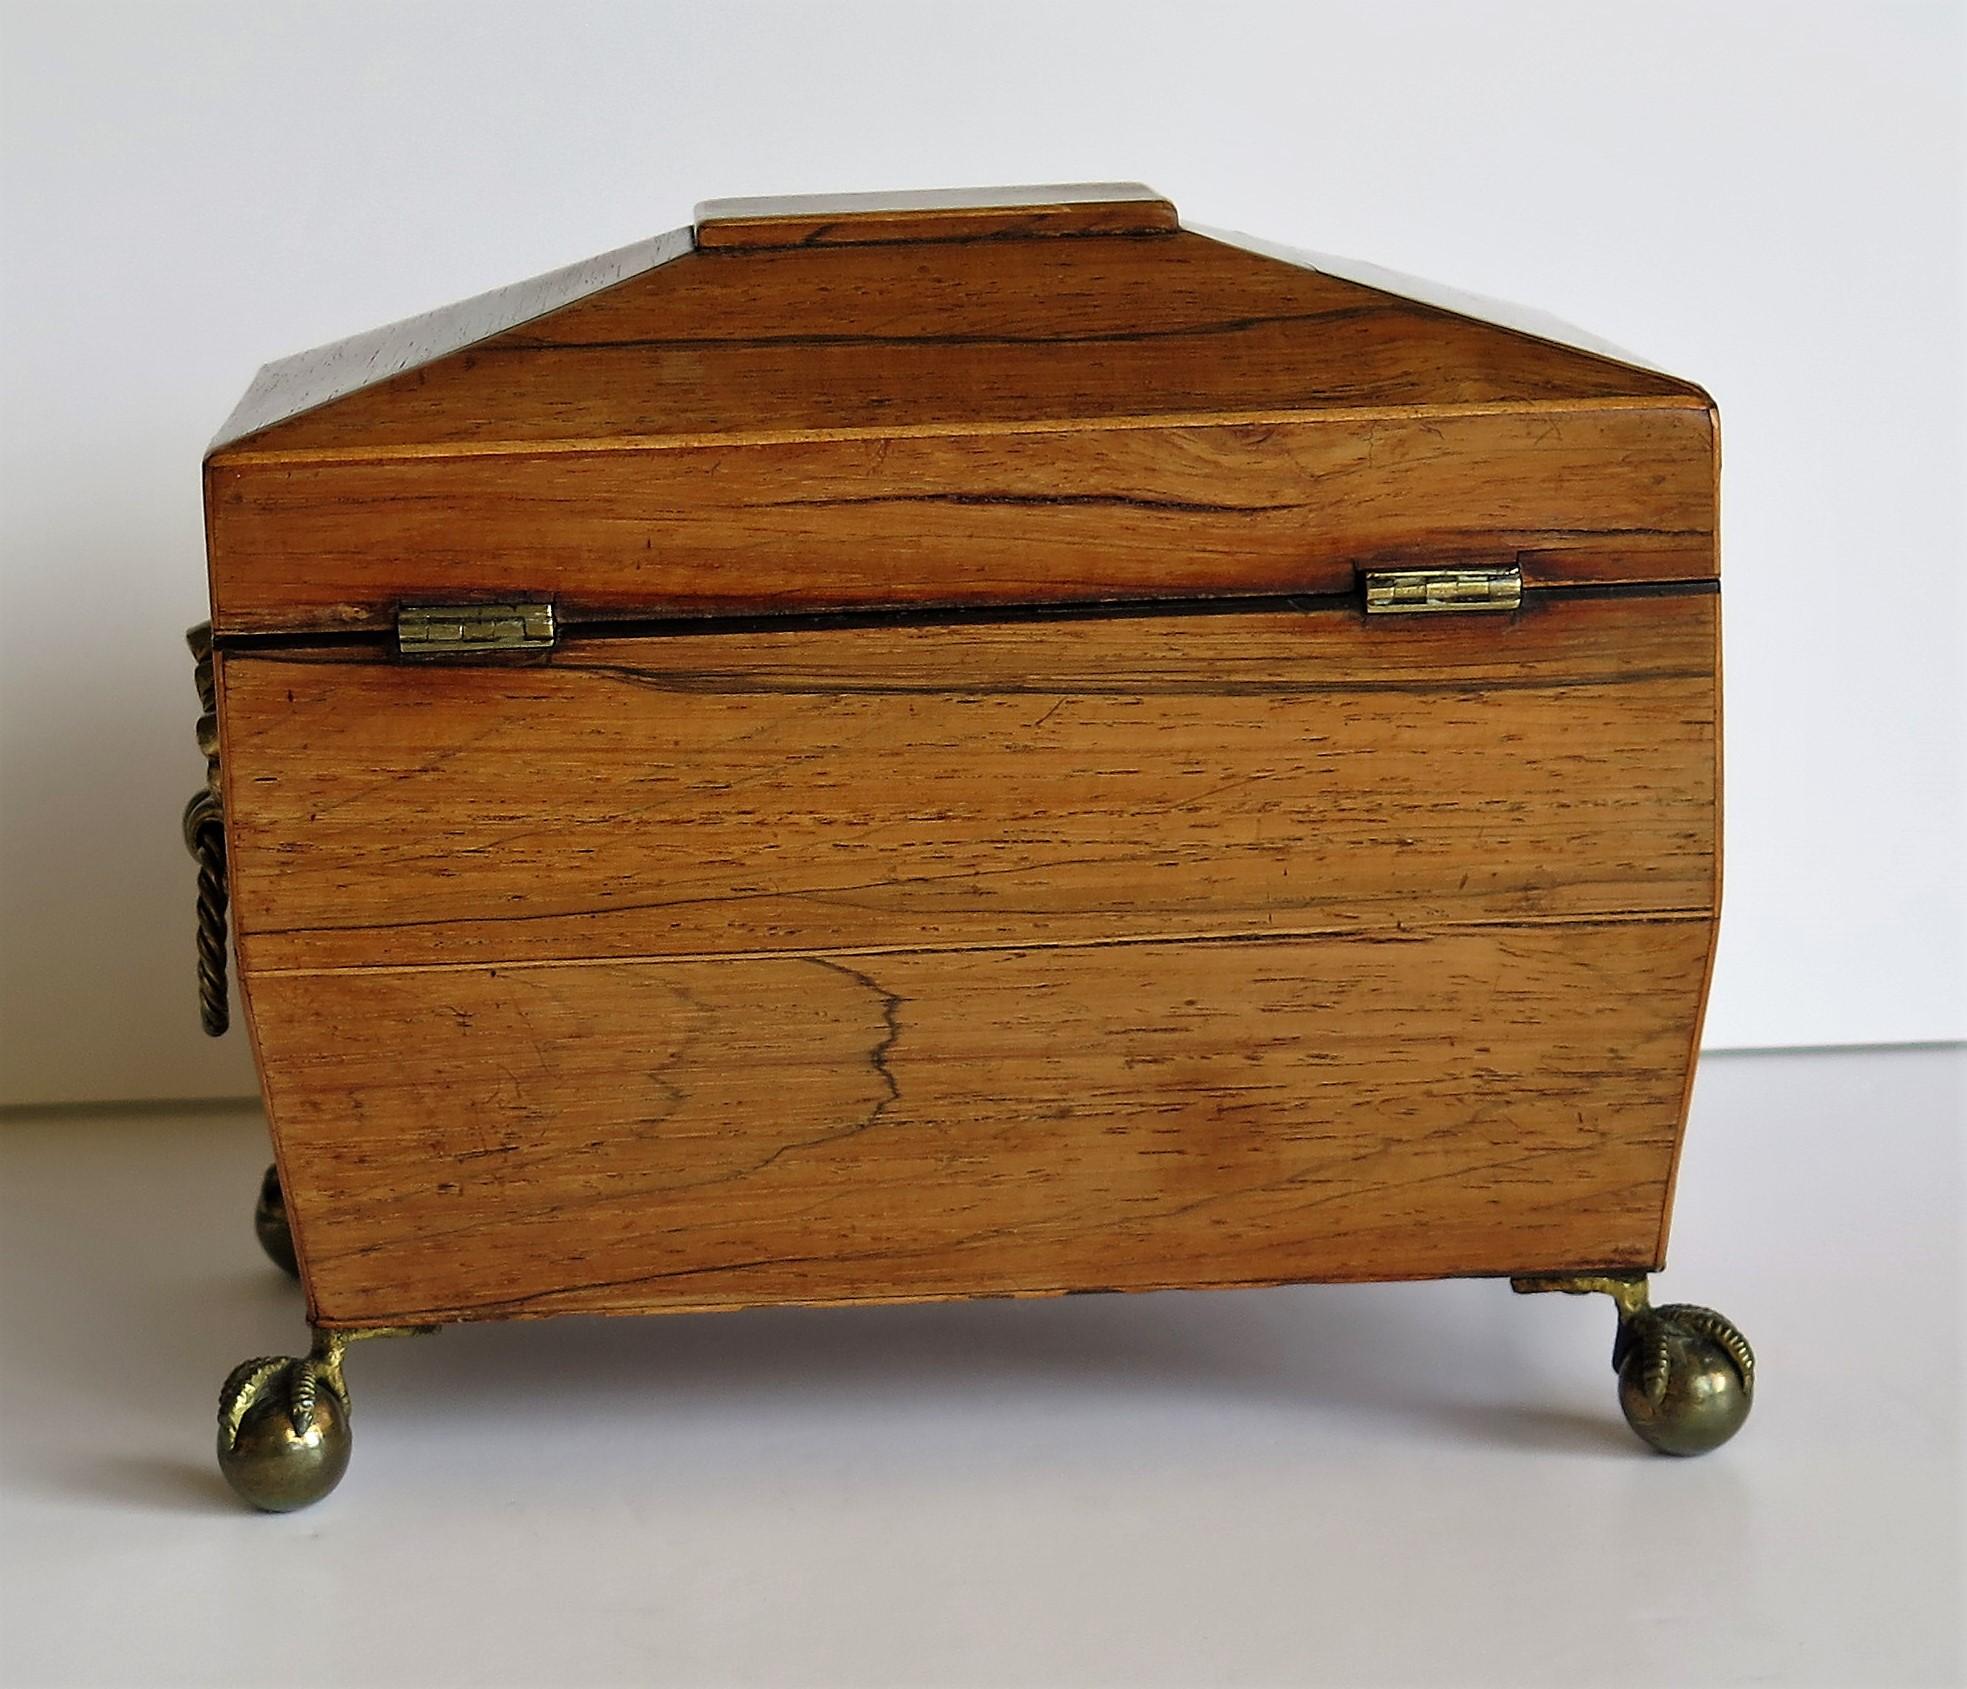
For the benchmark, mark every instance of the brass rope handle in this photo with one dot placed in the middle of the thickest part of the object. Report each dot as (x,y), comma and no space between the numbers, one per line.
(204,837)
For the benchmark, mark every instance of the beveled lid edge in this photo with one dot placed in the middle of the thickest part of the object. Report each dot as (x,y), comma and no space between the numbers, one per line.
(309,381)
(1529,322)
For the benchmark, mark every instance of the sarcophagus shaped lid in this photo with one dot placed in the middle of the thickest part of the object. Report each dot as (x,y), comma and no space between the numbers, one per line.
(1027,396)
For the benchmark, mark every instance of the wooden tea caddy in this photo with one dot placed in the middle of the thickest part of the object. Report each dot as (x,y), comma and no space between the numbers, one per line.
(958,745)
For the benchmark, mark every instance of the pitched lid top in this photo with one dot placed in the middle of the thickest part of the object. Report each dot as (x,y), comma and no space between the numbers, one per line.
(1021,397)
(970,312)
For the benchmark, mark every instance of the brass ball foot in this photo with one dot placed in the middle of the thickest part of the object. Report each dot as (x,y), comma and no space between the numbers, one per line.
(1686,1377)
(284,1437)
(270,1225)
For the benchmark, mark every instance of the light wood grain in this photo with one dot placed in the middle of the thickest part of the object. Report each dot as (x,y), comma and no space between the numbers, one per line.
(1610,494)
(950,335)
(1193,948)
(660,1136)
(980,783)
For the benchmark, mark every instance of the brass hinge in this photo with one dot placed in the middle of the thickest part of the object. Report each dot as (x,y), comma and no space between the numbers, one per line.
(1408,591)
(470,630)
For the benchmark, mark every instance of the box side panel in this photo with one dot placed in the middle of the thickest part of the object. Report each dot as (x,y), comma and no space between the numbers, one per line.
(1714,934)
(1616,492)
(650,1136)
(706,970)
(977,784)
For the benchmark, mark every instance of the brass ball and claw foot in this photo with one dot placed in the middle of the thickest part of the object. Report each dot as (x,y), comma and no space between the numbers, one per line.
(270,1225)
(1686,1376)
(284,1436)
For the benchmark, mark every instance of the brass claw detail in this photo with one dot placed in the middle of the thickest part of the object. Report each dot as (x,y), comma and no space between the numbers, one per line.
(1686,1374)
(284,1423)
(284,1436)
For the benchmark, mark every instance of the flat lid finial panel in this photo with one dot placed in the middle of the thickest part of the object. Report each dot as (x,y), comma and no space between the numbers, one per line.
(1078,208)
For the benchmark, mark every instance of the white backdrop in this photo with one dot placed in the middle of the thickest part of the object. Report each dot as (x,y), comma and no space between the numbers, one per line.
(1765,198)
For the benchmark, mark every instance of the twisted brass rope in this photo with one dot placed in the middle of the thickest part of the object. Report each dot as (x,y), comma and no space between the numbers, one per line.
(204,834)
(204,837)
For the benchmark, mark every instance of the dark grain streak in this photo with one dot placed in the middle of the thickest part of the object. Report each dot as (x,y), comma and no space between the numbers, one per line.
(1116,337)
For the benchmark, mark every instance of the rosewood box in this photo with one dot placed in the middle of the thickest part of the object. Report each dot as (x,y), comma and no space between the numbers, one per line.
(946,746)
